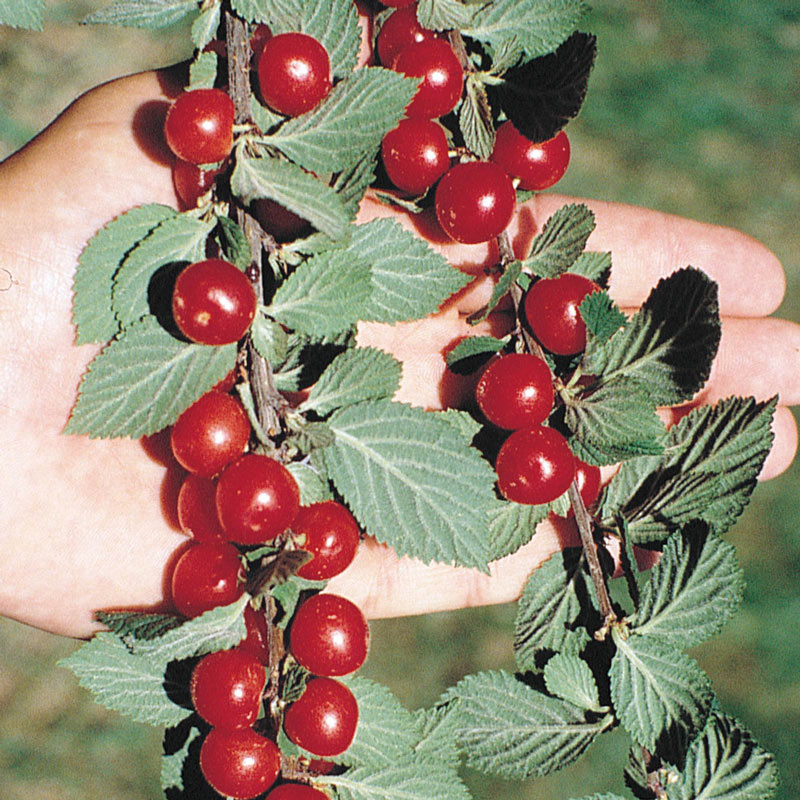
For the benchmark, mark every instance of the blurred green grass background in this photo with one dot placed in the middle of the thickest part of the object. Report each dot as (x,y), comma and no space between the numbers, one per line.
(693,109)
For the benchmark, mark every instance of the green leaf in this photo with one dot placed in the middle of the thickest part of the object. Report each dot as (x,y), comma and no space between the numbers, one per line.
(313,486)
(562,240)
(409,278)
(293,188)
(203,71)
(503,286)
(270,339)
(351,184)
(172,762)
(22,13)
(661,696)
(475,118)
(412,482)
(595,266)
(512,525)
(709,469)
(537,27)
(142,13)
(324,296)
(602,316)
(386,731)
(360,373)
(669,345)
(252,10)
(473,352)
(509,729)
(155,260)
(692,591)
(144,380)
(726,763)
(92,310)
(205,26)
(550,611)
(234,243)
(437,738)
(349,124)
(132,625)
(568,676)
(461,421)
(124,682)
(444,15)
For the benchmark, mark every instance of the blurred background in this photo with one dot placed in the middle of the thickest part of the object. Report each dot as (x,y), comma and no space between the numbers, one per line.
(693,108)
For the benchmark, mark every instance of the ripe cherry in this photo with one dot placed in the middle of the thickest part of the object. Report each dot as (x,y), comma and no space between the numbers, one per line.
(197,509)
(475,202)
(239,764)
(551,308)
(284,225)
(588,479)
(399,31)
(213,302)
(415,154)
(538,165)
(323,719)
(331,536)
(296,791)
(436,63)
(294,73)
(226,688)
(329,635)
(534,465)
(211,433)
(207,575)
(256,640)
(516,391)
(199,126)
(257,499)
(191,182)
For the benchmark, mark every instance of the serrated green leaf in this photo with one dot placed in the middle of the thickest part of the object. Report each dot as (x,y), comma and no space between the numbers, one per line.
(614,422)
(293,188)
(22,13)
(132,625)
(205,26)
(726,763)
(670,343)
(409,279)
(92,310)
(176,241)
(142,13)
(351,184)
(509,729)
(472,352)
(709,469)
(602,316)
(143,381)
(361,373)
(503,286)
(512,525)
(313,486)
(437,734)
(123,681)
(604,796)
(692,591)
(234,243)
(172,763)
(550,610)
(203,71)
(537,26)
(568,676)
(562,240)
(412,482)
(349,124)
(252,10)
(661,696)
(475,118)
(270,339)
(386,731)
(595,266)
(461,421)
(444,15)
(325,295)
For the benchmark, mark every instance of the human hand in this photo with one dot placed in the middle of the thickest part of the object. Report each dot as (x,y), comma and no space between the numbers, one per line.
(87,523)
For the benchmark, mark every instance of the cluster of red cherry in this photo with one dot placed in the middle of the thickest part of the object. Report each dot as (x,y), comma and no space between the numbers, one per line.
(515,392)
(474,200)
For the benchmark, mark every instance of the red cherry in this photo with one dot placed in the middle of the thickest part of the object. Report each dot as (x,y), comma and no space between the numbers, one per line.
(296,791)
(226,688)
(329,635)
(294,73)
(475,202)
(256,641)
(551,308)
(588,479)
(213,302)
(534,465)
(239,764)
(415,154)
(257,499)
(207,575)
(191,182)
(332,537)
(259,38)
(399,31)
(436,63)
(199,126)
(323,719)
(516,391)
(211,433)
(284,225)
(538,165)
(197,509)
